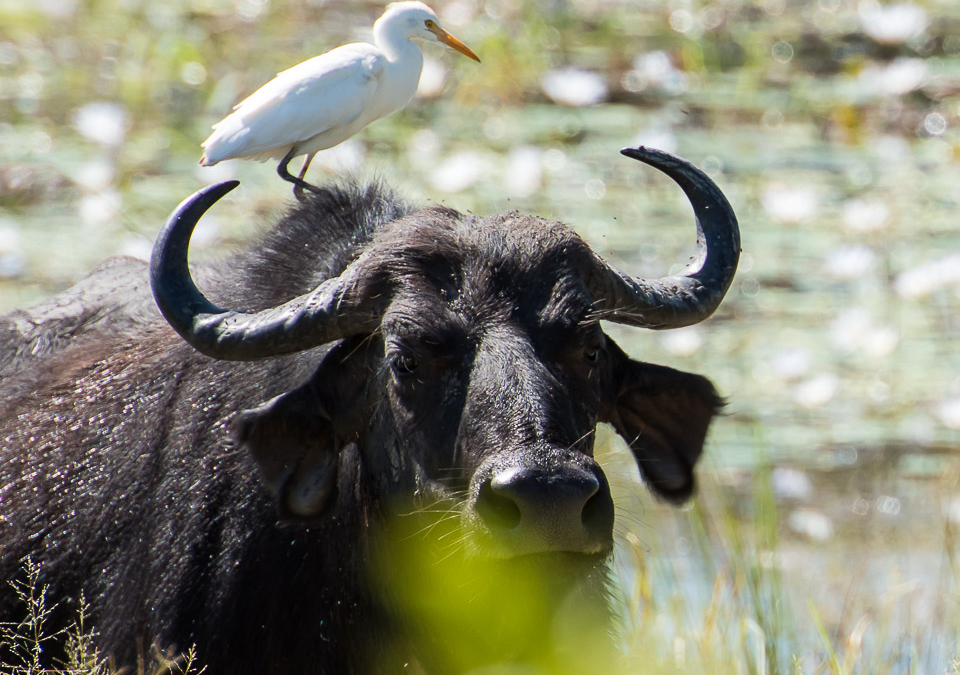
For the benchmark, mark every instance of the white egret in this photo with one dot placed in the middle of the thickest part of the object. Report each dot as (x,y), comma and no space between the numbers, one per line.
(325,100)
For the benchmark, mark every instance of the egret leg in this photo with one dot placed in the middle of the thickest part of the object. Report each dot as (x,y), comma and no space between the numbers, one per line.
(298,190)
(297,181)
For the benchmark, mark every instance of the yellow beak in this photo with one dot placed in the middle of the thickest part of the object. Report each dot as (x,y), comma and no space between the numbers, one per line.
(452,42)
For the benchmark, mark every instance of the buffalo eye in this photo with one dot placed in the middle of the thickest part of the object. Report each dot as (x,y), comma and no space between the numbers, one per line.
(405,364)
(592,354)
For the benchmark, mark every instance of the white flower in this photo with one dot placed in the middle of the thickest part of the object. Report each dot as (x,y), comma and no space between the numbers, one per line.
(574,87)
(432,78)
(789,483)
(817,391)
(850,262)
(683,341)
(791,364)
(923,280)
(811,523)
(99,208)
(102,122)
(855,331)
(95,175)
(524,172)
(892,24)
(865,215)
(949,412)
(899,77)
(458,172)
(789,204)
(654,70)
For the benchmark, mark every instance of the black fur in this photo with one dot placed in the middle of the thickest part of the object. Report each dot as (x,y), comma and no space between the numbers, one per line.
(151,478)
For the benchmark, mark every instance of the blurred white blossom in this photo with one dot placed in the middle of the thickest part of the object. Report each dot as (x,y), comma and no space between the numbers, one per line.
(574,87)
(524,173)
(683,341)
(899,77)
(655,70)
(854,330)
(811,523)
(923,280)
(948,412)
(789,204)
(790,483)
(892,24)
(432,78)
(95,175)
(865,214)
(99,208)
(817,391)
(458,172)
(102,122)
(850,262)
(792,364)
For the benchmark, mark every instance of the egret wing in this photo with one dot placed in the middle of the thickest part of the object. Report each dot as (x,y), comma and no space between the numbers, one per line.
(328,91)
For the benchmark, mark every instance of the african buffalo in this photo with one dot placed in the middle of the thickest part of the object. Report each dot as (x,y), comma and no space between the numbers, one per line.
(226,483)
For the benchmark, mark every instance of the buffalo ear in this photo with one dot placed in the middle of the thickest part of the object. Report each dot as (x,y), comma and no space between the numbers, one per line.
(296,438)
(293,444)
(663,415)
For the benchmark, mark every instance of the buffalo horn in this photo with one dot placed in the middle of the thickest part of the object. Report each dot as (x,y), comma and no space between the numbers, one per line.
(333,310)
(692,296)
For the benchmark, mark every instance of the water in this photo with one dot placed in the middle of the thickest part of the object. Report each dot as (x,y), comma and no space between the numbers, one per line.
(834,136)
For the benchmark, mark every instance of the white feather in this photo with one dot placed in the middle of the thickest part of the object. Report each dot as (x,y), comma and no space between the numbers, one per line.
(324,100)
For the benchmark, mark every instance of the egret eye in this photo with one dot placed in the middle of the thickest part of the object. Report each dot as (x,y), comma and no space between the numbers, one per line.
(430,24)
(592,354)
(405,364)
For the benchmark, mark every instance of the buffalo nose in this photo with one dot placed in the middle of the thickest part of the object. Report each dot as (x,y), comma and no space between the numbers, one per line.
(532,510)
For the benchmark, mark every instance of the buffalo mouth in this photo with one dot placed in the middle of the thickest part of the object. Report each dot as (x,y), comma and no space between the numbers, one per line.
(539,610)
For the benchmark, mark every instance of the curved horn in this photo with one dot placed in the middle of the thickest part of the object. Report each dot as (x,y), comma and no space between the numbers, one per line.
(331,311)
(690,297)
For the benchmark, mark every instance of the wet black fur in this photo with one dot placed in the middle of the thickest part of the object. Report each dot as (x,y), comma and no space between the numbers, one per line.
(125,475)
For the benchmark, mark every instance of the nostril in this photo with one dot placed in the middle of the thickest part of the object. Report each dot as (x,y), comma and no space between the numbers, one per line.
(499,512)
(597,513)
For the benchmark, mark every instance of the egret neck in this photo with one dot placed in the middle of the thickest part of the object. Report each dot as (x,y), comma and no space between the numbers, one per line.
(404,62)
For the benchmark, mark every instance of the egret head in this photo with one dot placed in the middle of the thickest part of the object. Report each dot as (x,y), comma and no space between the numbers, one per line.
(417,21)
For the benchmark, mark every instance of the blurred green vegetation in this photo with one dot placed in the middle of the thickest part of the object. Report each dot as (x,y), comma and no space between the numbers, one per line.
(824,538)
(536,615)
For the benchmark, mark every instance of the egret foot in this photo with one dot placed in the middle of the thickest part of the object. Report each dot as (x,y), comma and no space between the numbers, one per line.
(298,190)
(299,184)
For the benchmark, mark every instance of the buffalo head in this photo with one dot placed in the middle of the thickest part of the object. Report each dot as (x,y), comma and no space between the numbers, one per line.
(468,365)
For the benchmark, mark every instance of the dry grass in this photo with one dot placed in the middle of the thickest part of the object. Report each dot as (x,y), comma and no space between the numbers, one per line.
(23,644)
